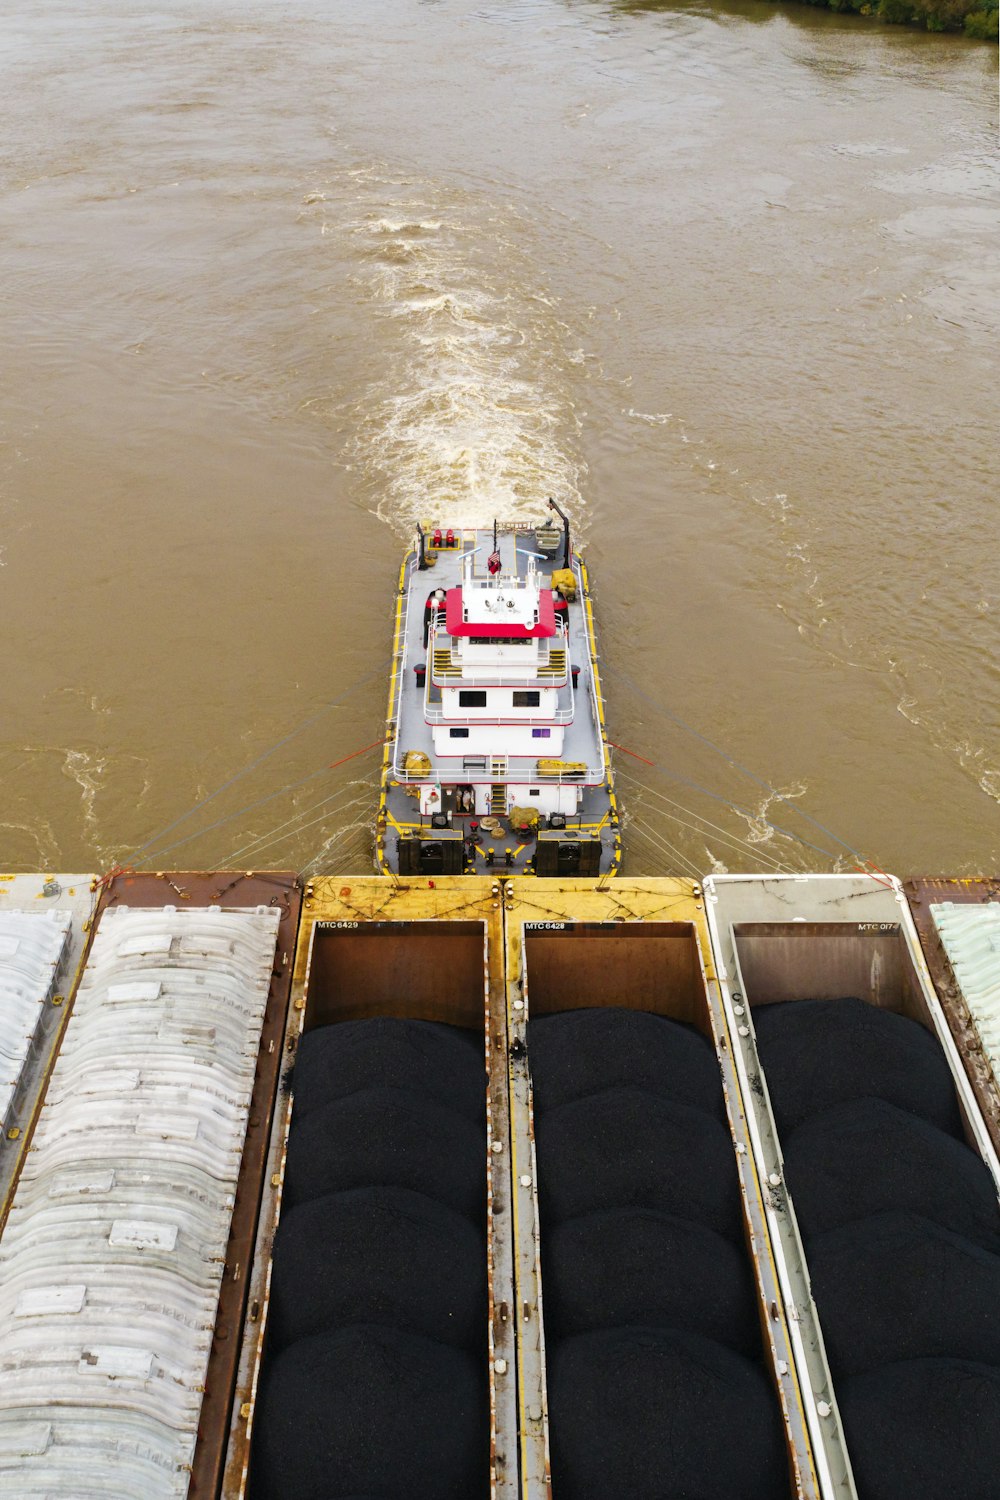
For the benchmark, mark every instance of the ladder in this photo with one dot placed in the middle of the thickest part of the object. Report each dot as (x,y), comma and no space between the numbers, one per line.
(556,664)
(442,665)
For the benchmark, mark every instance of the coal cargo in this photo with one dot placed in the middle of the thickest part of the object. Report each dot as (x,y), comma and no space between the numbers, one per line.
(378,1255)
(898,1287)
(656,1389)
(902,1235)
(864,1158)
(653,1414)
(445,1063)
(375,1375)
(627,1148)
(372,1411)
(581,1052)
(388,1137)
(928,1429)
(633,1265)
(820,1053)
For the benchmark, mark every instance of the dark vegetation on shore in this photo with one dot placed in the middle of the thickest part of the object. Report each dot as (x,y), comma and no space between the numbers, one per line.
(977,18)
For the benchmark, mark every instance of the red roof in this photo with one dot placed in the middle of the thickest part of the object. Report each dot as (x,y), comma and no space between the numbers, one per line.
(493,627)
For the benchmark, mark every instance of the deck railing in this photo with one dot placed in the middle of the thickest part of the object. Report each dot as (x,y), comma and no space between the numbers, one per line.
(471,673)
(434,714)
(446,769)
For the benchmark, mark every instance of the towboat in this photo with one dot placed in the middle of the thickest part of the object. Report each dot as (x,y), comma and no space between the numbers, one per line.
(495,752)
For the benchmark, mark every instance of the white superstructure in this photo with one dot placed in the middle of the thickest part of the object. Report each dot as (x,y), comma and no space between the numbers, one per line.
(495,710)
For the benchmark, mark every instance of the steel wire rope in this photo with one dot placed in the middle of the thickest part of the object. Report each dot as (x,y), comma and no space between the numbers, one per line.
(725,835)
(737,765)
(745,812)
(292,786)
(676,861)
(259,760)
(742,850)
(295,832)
(340,845)
(665,846)
(659,838)
(267,837)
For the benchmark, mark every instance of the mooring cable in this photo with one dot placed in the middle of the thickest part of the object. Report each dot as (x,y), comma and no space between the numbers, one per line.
(152,843)
(731,760)
(724,835)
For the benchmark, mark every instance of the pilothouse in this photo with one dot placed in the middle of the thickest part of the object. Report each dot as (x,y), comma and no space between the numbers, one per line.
(496,752)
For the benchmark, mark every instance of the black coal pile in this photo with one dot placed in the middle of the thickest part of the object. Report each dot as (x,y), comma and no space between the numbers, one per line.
(862,1158)
(902,1235)
(627,1148)
(392,1137)
(829,1051)
(375,1381)
(581,1052)
(444,1063)
(925,1430)
(654,1414)
(635,1266)
(369,1409)
(377,1255)
(897,1287)
(656,1386)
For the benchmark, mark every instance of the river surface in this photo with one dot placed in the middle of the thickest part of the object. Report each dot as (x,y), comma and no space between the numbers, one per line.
(280,278)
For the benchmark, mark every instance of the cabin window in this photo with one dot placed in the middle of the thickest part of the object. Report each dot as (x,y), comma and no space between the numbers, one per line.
(540,734)
(471,698)
(527,700)
(459,734)
(534,792)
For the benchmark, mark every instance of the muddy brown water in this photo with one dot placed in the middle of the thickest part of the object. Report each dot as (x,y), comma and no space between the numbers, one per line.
(278,279)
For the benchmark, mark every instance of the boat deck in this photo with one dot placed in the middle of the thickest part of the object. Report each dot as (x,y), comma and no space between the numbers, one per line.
(578,706)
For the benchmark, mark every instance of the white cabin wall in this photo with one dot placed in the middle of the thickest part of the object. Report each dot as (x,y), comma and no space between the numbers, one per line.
(515,654)
(430,801)
(545,799)
(492,739)
(500,703)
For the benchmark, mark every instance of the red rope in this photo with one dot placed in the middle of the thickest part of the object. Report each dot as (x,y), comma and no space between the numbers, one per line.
(633,754)
(333,765)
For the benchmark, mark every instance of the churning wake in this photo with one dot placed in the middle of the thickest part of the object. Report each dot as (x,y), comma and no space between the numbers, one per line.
(467,410)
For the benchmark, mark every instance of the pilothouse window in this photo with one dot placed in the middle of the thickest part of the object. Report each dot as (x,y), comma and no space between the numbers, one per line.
(499,640)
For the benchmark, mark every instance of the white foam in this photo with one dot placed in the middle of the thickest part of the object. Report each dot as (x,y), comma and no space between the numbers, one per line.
(472,412)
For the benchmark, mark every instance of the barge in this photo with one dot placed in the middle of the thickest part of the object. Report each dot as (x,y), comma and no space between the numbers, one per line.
(188,1284)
